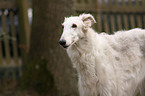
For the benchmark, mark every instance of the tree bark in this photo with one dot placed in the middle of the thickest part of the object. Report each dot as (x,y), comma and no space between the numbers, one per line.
(49,69)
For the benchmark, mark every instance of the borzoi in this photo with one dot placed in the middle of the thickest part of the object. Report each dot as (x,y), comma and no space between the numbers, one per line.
(107,65)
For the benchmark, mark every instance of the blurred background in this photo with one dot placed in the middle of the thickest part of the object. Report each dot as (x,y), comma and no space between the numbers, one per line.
(31,61)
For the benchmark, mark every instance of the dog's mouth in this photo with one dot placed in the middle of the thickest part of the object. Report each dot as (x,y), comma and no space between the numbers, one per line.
(68,46)
(65,45)
(71,44)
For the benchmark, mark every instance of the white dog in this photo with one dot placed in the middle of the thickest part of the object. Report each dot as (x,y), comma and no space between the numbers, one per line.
(107,65)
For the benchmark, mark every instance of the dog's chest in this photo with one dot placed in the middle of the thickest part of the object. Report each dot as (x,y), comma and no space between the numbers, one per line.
(85,65)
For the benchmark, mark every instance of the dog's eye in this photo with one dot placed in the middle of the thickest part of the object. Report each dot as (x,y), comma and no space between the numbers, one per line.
(74,26)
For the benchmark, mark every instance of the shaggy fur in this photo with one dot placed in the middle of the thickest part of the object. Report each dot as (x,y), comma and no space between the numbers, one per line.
(107,65)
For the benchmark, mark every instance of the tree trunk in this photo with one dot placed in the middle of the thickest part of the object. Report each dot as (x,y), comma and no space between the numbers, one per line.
(49,69)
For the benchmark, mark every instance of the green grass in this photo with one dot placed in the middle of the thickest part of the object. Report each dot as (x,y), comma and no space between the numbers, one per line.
(138,94)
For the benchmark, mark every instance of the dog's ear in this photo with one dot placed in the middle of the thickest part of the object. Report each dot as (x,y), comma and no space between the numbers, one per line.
(88,20)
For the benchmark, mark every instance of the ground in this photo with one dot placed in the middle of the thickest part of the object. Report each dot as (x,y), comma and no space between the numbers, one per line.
(10,88)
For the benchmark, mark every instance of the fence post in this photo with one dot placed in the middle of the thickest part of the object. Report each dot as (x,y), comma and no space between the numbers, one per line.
(24,26)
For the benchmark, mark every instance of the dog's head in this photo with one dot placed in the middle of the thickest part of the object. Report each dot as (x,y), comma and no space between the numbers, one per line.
(74,28)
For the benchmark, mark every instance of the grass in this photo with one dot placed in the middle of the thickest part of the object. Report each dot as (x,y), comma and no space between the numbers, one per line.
(138,94)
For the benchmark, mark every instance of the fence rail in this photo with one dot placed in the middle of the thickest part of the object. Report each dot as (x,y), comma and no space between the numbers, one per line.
(114,15)
(7,5)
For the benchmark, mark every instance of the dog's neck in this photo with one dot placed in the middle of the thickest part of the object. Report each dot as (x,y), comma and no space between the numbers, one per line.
(81,55)
(84,45)
(82,49)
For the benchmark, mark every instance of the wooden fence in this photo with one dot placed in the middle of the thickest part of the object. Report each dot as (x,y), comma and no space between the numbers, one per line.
(113,15)
(14,27)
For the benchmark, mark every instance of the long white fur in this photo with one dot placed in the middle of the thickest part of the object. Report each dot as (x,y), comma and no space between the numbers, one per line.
(107,65)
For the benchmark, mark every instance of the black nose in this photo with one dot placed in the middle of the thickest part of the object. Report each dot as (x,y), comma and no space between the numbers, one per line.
(62,42)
